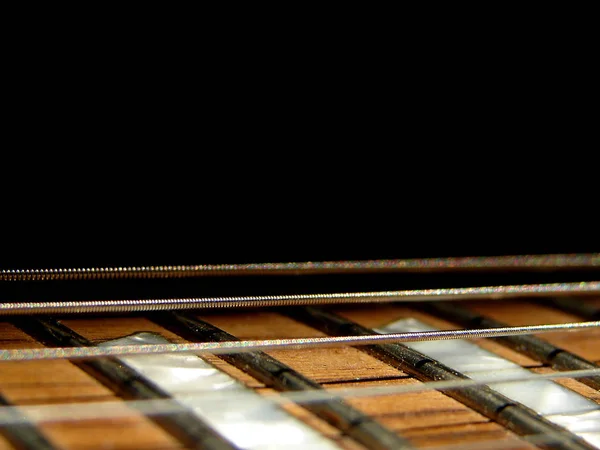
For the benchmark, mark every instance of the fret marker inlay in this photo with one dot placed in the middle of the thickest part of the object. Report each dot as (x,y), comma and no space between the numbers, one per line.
(556,403)
(242,416)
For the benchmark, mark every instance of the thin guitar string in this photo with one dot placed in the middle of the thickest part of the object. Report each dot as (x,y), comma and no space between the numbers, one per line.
(416,295)
(431,264)
(449,264)
(227,347)
(111,409)
(10,415)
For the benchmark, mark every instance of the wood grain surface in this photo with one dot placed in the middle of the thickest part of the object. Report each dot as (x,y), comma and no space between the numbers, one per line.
(426,419)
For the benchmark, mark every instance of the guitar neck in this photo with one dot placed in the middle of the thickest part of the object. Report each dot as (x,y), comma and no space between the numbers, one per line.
(387,396)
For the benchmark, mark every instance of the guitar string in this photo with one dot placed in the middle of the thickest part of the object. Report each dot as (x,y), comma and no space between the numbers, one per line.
(352,392)
(111,409)
(375,391)
(156,407)
(492,443)
(227,347)
(509,442)
(416,295)
(450,264)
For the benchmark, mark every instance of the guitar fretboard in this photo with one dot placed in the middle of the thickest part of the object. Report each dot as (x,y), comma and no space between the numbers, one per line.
(474,416)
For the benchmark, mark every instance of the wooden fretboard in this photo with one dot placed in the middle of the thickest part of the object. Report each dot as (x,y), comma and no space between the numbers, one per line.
(475,418)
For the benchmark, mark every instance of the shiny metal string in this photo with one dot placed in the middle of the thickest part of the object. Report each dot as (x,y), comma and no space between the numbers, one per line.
(417,295)
(220,348)
(452,264)
(116,409)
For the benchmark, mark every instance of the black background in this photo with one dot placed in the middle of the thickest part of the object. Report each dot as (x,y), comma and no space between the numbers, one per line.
(279,241)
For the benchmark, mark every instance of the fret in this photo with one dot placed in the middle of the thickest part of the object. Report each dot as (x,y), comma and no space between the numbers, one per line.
(320,365)
(403,413)
(56,382)
(127,383)
(582,308)
(561,406)
(25,436)
(377,317)
(241,415)
(532,346)
(273,373)
(124,326)
(584,344)
(486,401)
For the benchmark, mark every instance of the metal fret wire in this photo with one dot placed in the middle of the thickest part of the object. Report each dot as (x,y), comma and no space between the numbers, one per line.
(477,263)
(417,295)
(220,348)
